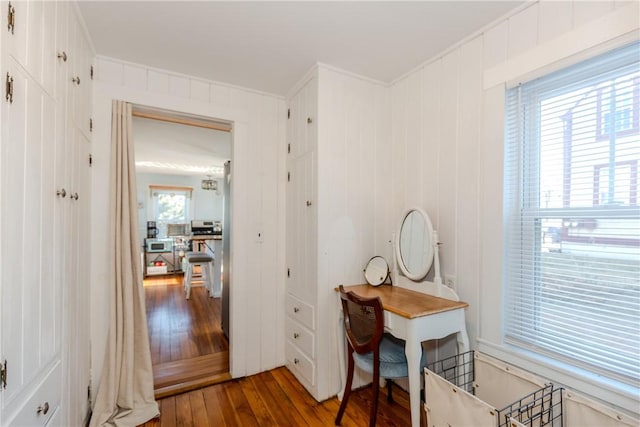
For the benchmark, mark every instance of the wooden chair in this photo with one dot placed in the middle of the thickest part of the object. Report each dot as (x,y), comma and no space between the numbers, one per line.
(370,348)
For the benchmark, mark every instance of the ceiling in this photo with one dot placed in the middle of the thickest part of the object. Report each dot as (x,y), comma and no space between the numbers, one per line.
(169,148)
(268,46)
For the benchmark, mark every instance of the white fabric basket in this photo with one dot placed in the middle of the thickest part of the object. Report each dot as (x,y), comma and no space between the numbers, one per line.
(495,385)
(466,390)
(579,411)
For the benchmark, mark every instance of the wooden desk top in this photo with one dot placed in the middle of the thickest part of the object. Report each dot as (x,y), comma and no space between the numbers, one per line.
(404,302)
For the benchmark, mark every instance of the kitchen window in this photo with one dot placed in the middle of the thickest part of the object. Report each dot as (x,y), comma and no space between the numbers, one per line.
(171,205)
(572,271)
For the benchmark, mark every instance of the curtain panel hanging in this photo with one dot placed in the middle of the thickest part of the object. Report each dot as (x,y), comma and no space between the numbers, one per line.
(125,396)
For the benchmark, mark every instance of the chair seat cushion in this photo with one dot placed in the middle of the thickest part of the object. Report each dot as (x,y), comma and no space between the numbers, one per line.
(198,257)
(393,362)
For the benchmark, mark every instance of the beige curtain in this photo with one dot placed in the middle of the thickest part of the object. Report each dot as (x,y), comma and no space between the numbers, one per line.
(125,397)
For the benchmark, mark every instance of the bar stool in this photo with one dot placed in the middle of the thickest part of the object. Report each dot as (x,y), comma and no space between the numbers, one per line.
(203,260)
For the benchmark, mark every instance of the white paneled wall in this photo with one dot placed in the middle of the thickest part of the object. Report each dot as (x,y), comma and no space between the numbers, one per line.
(447,141)
(258,177)
(352,152)
(353,195)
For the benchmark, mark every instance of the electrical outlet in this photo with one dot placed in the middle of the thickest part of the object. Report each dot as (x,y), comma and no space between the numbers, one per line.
(450,281)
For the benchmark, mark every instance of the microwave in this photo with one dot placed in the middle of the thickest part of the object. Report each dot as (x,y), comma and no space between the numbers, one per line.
(159,245)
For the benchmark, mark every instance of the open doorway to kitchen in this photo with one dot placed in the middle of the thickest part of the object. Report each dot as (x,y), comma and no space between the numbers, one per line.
(182,165)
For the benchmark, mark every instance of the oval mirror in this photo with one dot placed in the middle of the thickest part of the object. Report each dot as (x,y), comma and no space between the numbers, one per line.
(414,248)
(376,271)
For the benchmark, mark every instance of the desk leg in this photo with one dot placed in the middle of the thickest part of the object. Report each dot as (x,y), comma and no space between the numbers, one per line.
(341,352)
(463,338)
(413,351)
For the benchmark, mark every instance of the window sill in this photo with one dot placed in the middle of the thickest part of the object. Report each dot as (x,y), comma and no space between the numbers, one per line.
(608,391)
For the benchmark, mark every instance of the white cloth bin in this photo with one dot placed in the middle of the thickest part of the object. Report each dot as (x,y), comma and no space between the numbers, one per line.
(467,389)
(476,385)
(579,411)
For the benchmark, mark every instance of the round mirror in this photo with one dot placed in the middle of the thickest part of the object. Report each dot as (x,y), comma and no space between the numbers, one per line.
(414,248)
(377,271)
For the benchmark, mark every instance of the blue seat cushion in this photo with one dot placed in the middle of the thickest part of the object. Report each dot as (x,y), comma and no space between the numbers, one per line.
(393,362)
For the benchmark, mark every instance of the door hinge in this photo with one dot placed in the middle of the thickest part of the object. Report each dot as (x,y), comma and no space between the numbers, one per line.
(3,374)
(288,113)
(289,148)
(288,272)
(91,72)
(11,18)
(288,176)
(9,89)
(90,160)
(90,125)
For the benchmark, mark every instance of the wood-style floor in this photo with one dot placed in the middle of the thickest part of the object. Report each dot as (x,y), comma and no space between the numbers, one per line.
(189,353)
(188,348)
(275,398)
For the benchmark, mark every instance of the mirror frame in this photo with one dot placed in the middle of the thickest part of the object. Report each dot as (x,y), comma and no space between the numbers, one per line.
(367,269)
(428,247)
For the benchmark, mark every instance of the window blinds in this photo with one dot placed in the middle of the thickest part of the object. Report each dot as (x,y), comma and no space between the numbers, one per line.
(572,271)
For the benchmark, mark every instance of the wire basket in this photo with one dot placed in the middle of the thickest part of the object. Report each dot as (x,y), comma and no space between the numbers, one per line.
(542,407)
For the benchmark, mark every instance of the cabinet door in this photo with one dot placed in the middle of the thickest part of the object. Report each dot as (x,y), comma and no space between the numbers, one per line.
(301,232)
(78,277)
(16,36)
(301,193)
(79,59)
(302,127)
(13,244)
(62,53)
(31,306)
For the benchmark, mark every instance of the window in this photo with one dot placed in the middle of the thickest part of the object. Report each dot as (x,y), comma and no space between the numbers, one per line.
(572,272)
(623,98)
(171,205)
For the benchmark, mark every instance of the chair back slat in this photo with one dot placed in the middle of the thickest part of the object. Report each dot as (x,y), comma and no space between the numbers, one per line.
(363,321)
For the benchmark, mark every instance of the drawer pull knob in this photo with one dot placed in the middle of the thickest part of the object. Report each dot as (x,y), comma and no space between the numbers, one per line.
(309,120)
(63,56)
(296,361)
(295,335)
(296,309)
(43,409)
(61,193)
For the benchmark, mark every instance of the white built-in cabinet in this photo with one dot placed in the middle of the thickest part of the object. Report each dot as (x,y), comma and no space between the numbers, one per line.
(45,67)
(309,322)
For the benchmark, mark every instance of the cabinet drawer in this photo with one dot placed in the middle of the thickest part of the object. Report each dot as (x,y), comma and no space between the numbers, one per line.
(45,399)
(300,337)
(300,364)
(300,311)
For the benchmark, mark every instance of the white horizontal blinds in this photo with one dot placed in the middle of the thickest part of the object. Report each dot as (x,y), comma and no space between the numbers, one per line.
(573,217)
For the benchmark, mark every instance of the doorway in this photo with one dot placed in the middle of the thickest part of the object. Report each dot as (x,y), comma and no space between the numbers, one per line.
(179,173)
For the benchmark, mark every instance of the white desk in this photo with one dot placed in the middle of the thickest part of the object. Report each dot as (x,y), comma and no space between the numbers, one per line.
(414,317)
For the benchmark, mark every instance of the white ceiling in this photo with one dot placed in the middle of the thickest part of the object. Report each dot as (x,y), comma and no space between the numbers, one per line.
(268,45)
(168,148)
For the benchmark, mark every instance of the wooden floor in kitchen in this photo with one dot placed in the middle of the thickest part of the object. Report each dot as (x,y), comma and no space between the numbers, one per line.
(188,347)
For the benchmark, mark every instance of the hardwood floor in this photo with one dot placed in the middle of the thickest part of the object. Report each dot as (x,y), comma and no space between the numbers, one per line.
(188,348)
(275,398)
(189,353)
